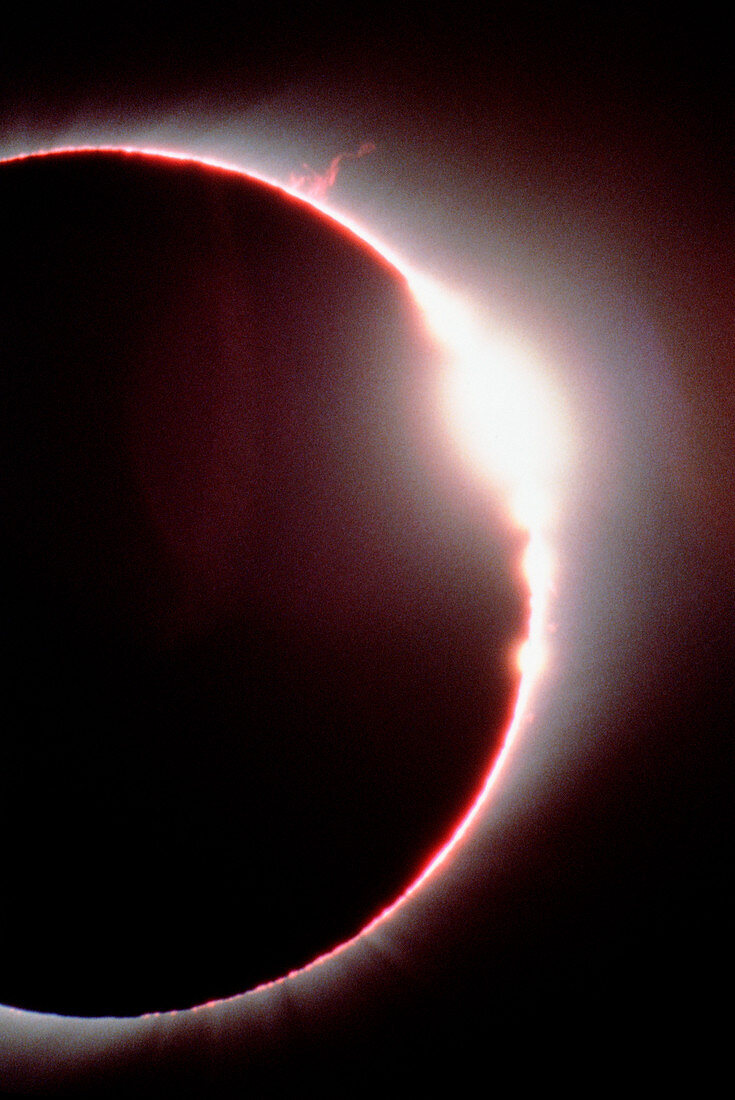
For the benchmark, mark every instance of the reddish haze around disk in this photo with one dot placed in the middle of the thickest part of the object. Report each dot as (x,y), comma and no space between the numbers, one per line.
(262,621)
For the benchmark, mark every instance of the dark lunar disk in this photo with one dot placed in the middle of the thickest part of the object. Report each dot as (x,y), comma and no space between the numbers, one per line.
(260,622)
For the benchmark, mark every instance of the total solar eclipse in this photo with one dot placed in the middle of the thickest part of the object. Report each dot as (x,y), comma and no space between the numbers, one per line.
(265,617)
(368,559)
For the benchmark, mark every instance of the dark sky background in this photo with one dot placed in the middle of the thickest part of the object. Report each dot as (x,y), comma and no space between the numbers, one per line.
(572,171)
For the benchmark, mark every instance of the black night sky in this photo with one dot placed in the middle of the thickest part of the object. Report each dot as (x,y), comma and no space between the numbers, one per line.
(260,618)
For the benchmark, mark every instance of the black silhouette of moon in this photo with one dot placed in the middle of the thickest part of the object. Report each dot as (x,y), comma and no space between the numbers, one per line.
(262,622)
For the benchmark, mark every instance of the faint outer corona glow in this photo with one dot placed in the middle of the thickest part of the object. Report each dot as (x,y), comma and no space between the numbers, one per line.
(510,428)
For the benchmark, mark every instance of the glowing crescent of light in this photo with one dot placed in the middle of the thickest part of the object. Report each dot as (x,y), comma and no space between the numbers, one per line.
(510,426)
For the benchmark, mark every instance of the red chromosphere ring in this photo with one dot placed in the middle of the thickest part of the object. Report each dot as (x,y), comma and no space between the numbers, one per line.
(191,483)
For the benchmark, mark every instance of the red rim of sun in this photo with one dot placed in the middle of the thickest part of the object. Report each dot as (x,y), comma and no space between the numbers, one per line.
(510,427)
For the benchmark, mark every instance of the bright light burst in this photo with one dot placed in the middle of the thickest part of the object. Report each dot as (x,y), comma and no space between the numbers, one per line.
(510,426)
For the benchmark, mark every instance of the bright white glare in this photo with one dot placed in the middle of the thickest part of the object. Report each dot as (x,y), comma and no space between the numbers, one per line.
(505,415)
(511,427)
